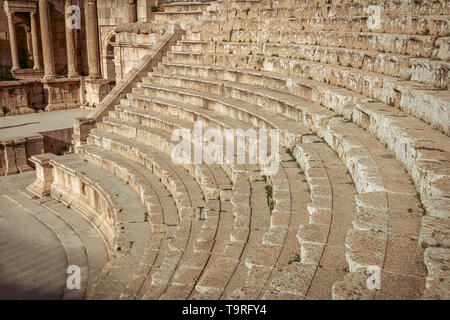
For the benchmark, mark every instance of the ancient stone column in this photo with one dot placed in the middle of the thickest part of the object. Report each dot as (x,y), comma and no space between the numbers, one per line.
(90,12)
(13,41)
(47,45)
(35,42)
(70,45)
(132,11)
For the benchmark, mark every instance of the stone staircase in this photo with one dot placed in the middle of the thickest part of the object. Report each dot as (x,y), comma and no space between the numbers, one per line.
(363,182)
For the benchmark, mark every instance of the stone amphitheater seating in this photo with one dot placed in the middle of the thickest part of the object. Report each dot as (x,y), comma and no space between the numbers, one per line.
(364,118)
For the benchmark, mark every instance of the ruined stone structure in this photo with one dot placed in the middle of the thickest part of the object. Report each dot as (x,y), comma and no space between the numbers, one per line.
(362,105)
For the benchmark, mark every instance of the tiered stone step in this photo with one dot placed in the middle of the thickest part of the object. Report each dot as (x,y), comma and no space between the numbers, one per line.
(181,11)
(94,245)
(310,271)
(42,270)
(436,25)
(392,91)
(414,45)
(185,6)
(379,182)
(221,250)
(338,7)
(135,230)
(423,70)
(155,287)
(166,252)
(352,8)
(245,112)
(392,127)
(278,206)
(383,121)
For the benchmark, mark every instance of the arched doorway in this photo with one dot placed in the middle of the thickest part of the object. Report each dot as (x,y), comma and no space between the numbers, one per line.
(109,67)
(24,46)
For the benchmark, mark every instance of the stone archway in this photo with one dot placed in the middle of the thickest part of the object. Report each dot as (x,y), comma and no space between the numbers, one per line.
(109,67)
(24,46)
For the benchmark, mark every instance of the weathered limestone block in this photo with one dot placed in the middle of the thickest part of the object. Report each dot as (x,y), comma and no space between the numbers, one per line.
(296,279)
(437,261)
(435,73)
(353,287)
(437,206)
(364,249)
(435,232)
(313,234)
(443,53)
(94,90)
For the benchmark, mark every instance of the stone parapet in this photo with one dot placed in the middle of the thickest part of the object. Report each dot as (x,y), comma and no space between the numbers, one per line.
(15,152)
(29,96)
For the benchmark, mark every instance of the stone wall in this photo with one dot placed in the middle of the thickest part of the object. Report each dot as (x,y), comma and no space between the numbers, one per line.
(15,152)
(94,90)
(57,141)
(133,42)
(112,13)
(28,96)
(20,97)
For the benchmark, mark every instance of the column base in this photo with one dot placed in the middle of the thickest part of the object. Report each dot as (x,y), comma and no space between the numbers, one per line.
(49,77)
(94,77)
(73,75)
(44,175)
(28,73)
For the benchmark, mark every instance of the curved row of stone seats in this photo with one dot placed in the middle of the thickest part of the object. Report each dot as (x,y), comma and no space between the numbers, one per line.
(364,184)
(111,206)
(156,285)
(184,189)
(417,25)
(272,242)
(187,235)
(169,255)
(333,98)
(350,8)
(435,25)
(216,27)
(387,127)
(421,70)
(152,114)
(380,120)
(321,233)
(356,174)
(344,7)
(161,206)
(414,45)
(412,194)
(185,6)
(181,11)
(366,112)
(419,100)
(138,100)
(244,112)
